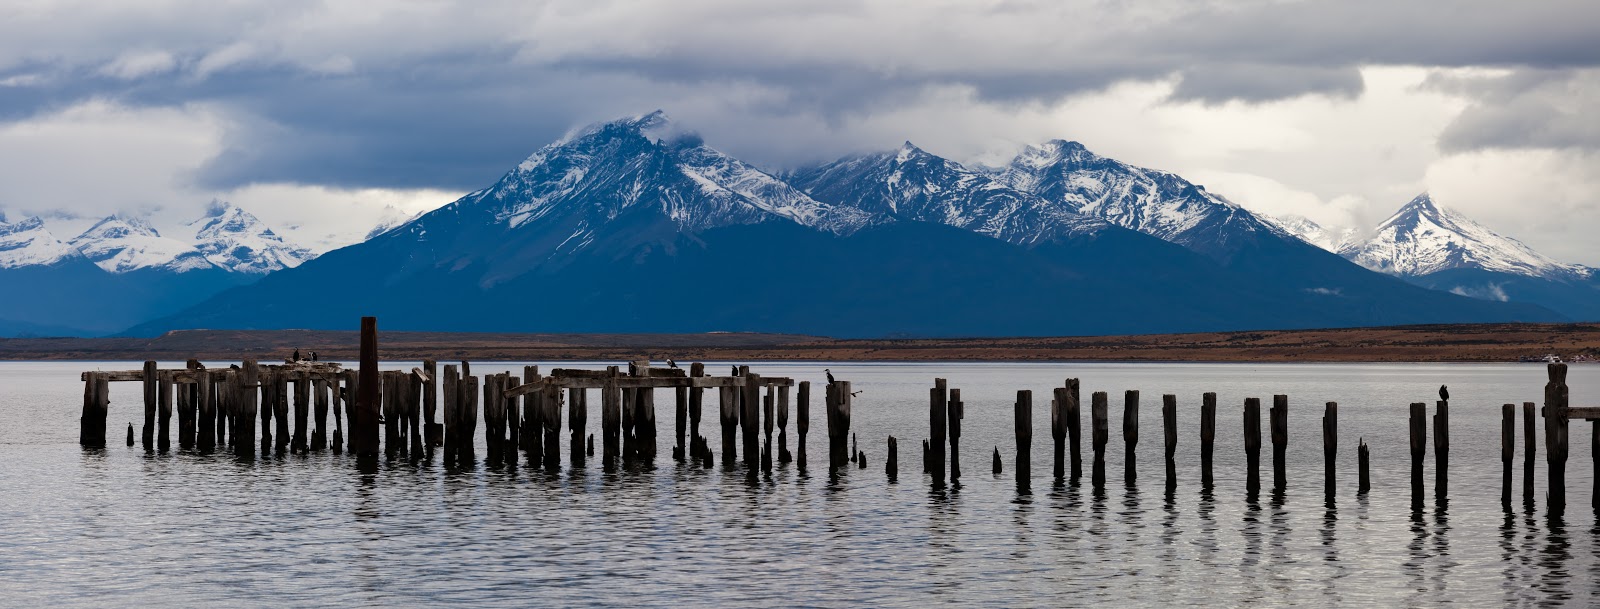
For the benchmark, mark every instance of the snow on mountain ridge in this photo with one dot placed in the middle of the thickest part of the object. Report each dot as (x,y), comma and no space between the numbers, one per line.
(231,238)
(120,244)
(1423,238)
(1332,239)
(28,243)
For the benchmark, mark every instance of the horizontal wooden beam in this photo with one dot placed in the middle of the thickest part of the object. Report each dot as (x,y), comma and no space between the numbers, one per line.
(1587,412)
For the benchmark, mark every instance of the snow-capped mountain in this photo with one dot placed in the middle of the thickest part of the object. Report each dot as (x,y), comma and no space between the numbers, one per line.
(27,242)
(1423,238)
(390,219)
(1332,239)
(1153,202)
(120,244)
(636,226)
(914,185)
(234,239)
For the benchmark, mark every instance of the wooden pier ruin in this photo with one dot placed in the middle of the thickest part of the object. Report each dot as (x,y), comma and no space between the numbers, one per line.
(253,409)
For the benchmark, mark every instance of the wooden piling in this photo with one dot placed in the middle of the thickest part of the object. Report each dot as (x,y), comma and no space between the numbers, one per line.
(750,417)
(319,414)
(937,429)
(1528,456)
(1330,447)
(1071,412)
(802,422)
(389,405)
(151,382)
(1364,480)
(1208,436)
(244,424)
(696,411)
(269,403)
(86,417)
(1100,435)
(769,407)
(577,424)
(466,452)
(1252,447)
(186,410)
(955,411)
(728,416)
(1280,442)
(996,464)
(1555,439)
(1058,435)
(450,383)
(206,426)
(1508,445)
(302,414)
(1169,427)
(1130,435)
(280,411)
(611,422)
(784,456)
(1441,450)
(164,421)
(838,398)
(364,427)
(1419,448)
(891,460)
(493,418)
(413,398)
(1023,419)
(552,427)
(343,393)
(680,419)
(432,429)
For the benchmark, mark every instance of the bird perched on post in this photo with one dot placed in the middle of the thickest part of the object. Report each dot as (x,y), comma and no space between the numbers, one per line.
(1444,393)
(735,371)
(830,375)
(671,364)
(296,355)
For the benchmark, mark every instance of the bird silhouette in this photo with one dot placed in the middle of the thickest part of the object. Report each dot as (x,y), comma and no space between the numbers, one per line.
(856,392)
(1444,393)
(671,364)
(830,375)
(736,371)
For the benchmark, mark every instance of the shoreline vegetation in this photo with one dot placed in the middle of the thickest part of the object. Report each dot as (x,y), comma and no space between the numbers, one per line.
(1425,343)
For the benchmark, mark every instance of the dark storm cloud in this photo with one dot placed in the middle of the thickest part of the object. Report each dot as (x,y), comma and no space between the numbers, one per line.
(449,99)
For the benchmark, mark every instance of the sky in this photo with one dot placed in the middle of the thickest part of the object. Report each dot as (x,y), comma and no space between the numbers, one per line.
(322,117)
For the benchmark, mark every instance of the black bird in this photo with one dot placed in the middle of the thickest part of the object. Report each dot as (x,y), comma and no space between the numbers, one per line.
(830,375)
(1444,393)
(856,393)
(313,356)
(297,355)
(671,364)
(736,371)
(233,366)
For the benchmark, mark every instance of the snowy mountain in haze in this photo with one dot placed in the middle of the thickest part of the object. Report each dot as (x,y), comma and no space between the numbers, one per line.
(27,242)
(1423,238)
(388,220)
(1332,239)
(234,239)
(911,184)
(1157,203)
(120,244)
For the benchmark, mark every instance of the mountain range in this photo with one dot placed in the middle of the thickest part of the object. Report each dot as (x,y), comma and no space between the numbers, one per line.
(123,271)
(636,225)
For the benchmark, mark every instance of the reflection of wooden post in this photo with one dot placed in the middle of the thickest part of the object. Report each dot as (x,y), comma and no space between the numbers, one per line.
(364,433)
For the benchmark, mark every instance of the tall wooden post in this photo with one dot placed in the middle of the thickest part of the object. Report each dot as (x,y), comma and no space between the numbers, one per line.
(1528,456)
(1252,447)
(151,381)
(269,404)
(1363,456)
(186,406)
(937,397)
(432,430)
(164,422)
(696,410)
(1169,427)
(1441,450)
(1330,448)
(451,384)
(319,414)
(364,432)
(302,413)
(206,426)
(280,411)
(680,419)
(1058,435)
(412,387)
(1023,417)
(1555,438)
(577,423)
(390,407)
(466,452)
(955,411)
(1419,448)
(611,421)
(1101,434)
(750,417)
(1130,435)
(784,456)
(728,413)
(1280,442)
(802,422)
(768,411)
(244,425)
(1508,446)
(1208,436)
(1070,411)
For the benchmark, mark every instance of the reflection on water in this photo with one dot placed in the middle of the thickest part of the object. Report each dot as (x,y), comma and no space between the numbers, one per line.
(119,527)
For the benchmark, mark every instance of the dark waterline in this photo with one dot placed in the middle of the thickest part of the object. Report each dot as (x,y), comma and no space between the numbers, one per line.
(118,527)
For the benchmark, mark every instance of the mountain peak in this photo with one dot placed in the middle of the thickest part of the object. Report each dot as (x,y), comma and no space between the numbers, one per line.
(26,242)
(234,239)
(121,243)
(1423,238)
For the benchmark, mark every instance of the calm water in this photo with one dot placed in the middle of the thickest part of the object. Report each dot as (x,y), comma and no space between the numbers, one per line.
(119,527)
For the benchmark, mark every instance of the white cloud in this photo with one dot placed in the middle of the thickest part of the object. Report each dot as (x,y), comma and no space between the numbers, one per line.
(138,64)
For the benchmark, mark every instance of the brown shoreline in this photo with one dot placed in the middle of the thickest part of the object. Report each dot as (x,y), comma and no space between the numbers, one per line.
(1431,343)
